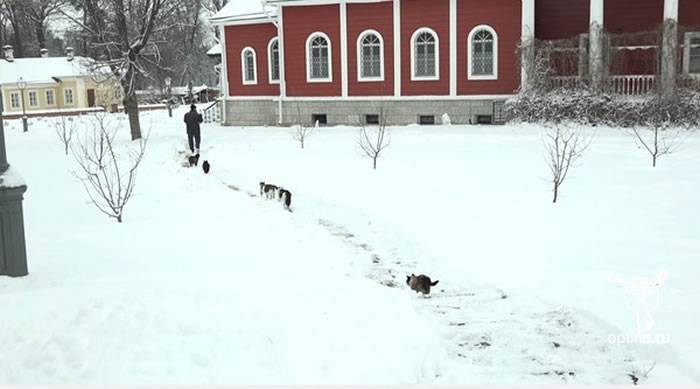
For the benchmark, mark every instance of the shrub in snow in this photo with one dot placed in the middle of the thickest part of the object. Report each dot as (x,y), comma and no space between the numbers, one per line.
(301,130)
(564,145)
(374,140)
(107,171)
(657,125)
(65,127)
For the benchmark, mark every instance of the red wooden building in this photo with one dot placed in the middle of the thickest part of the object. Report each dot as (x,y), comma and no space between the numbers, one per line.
(344,61)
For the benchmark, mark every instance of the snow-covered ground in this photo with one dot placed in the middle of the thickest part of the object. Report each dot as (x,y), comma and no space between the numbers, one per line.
(205,282)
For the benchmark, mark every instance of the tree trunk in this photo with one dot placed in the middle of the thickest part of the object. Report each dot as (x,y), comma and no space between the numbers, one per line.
(19,52)
(556,193)
(132,107)
(40,36)
(653,160)
(375,162)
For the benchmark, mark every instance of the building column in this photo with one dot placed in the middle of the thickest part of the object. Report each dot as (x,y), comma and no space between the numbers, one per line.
(344,48)
(283,73)
(3,155)
(527,43)
(669,48)
(397,48)
(453,48)
(596,48)
(224,74)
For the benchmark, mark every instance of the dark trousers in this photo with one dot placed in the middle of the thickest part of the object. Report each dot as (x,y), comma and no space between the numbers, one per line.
(194,138)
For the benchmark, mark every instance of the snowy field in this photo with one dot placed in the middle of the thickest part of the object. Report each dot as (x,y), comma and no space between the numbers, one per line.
(205,282)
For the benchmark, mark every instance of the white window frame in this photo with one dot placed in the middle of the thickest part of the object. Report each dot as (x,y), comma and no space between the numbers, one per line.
(65,100)
(36,98)
(413,55)
(19,99)
(46,96)
(269,61)
(360,38)
(470,75)
(311,37)
(254,81)
(686,53)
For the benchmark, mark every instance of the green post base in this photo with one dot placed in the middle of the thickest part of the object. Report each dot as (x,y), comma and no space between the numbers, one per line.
(13,251)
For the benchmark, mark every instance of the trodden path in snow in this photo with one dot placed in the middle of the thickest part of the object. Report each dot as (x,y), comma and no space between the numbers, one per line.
(490,335)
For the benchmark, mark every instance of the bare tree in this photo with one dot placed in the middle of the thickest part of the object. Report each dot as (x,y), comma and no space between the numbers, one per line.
(65,128)
(120,34)
(374,140)
(564,146)
(38,13)
(108,174)
(302,130)
(658,132)
(15,13)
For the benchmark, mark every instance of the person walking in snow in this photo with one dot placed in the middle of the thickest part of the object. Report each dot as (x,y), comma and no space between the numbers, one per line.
(194,136)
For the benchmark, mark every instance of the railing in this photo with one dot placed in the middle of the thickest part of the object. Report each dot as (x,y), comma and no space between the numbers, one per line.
(633,85)
(212,113)
(690,82)
(567,82)
(626,85)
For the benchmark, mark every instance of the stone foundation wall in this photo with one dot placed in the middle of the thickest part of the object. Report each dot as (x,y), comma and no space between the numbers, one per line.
(351,112)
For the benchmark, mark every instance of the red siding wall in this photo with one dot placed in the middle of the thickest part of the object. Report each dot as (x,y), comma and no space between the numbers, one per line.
(257,36)
(557,19)
(689,13)
(299,23)
(434,14)
(633,15)
(379,17)
(504,16)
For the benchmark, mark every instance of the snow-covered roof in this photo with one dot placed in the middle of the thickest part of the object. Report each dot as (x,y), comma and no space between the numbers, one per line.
(182,90)
(42,70)
(241,10)
(215,50)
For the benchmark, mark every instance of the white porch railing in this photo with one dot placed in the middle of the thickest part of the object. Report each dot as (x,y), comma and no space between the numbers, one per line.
(566,82)
(212,113)
(626,85)
(633,85)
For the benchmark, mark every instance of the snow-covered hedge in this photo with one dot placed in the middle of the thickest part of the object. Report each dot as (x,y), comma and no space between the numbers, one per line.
(587,107)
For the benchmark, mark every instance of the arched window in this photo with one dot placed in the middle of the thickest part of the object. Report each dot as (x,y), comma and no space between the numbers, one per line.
(318,58)
(425,55)
(483,53)
(370,57)
(273,60)
(249,66)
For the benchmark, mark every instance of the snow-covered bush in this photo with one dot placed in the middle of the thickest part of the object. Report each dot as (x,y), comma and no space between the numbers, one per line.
(586,107)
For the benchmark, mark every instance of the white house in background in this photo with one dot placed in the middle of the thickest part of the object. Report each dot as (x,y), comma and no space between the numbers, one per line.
(53,83)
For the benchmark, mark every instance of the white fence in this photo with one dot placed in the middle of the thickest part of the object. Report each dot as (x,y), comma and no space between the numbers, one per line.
(626,85)
(633,85)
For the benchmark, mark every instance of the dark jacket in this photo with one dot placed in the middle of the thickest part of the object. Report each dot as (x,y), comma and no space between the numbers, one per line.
(193,118)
